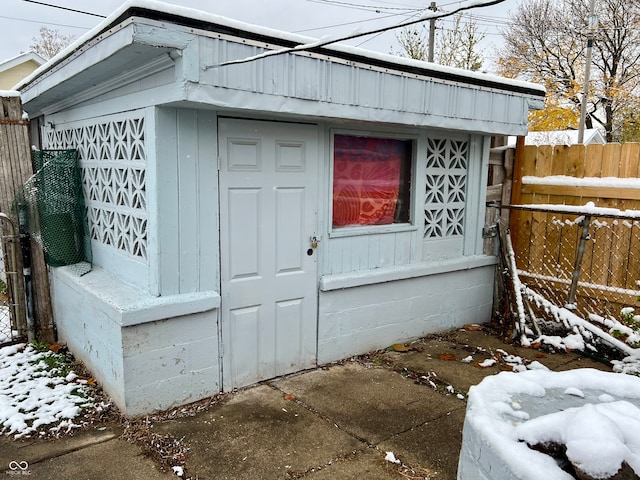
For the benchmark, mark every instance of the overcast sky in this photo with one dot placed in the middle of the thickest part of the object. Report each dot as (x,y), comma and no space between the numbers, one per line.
(21,20)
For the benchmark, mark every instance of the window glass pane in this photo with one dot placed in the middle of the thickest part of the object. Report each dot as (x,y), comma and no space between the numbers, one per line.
(371,180)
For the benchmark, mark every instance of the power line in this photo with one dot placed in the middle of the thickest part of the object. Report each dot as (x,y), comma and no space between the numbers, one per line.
(358,6)
(65,8)
(323,43)
(348,23)
(44,23)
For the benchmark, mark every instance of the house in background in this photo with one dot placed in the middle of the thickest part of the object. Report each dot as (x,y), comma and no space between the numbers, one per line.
(255,219)
(15,69)
(562,137)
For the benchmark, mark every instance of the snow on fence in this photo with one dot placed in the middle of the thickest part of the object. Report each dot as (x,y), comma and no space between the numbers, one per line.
(586,258)
(556,182)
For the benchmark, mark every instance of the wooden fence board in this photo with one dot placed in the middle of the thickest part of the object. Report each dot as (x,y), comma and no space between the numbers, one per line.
(15,170)
(611,160)
(629,159)
(593,160)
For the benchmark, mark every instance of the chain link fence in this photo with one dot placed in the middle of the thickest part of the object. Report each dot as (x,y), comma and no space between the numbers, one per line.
(5,317)
(587,260)
(51,208)
(12,309)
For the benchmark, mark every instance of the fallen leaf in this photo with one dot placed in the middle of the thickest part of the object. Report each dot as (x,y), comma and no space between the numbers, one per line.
(541,355)
(289,397)
(399,347)
(474,327)
(536,345)
(91,381)
(449,357)
(55,347)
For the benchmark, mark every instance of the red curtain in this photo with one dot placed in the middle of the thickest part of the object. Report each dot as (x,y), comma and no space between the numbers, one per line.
(366,179)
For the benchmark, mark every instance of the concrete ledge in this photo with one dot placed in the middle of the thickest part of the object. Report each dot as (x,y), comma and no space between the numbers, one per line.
(128,305)
(381,275)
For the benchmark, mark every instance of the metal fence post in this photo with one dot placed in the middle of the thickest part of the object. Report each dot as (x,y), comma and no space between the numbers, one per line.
(585,223)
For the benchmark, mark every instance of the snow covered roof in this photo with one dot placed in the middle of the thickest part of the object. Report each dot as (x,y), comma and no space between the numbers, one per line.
(197,19)
(562,137)
(21,58)
(199,58)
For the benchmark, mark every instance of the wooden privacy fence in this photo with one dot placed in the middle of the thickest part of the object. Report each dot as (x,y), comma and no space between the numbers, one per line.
(15,169)
(583,256)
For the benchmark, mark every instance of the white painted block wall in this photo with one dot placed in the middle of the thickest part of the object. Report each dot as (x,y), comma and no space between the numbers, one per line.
(357,320)
(148,353)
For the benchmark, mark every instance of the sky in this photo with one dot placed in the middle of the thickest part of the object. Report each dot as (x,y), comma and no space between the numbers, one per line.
(20,20)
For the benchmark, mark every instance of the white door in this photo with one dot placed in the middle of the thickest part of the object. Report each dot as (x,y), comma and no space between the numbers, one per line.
(268,216)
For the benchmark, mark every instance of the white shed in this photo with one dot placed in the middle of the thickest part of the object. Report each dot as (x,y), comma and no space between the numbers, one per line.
(261,218)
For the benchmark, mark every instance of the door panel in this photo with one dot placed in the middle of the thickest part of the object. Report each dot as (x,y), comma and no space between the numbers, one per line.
(268,212)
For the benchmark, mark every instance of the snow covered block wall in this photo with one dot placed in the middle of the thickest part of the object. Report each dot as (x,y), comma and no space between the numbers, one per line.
(357,319)
(593,415)
(148,353)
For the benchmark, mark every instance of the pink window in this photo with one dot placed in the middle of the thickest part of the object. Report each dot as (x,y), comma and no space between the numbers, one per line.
(371,180)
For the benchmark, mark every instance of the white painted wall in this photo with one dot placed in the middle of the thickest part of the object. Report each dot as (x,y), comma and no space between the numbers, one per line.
(361,319)
(148,353)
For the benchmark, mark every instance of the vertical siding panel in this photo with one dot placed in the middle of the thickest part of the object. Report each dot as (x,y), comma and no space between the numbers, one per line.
(402,250)
(167,195)
(335,255)
(373,250)
(362,254)
(207,197)
(188,232)
(387,255)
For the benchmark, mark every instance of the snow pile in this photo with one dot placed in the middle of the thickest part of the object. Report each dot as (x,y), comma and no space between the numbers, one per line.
(34,396)
(594,415)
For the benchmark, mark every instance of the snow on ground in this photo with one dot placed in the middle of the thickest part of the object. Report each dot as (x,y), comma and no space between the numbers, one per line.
(34,397)
(595,414)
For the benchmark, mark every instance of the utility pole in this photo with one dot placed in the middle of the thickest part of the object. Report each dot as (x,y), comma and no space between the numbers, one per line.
(432,32)
(593,25)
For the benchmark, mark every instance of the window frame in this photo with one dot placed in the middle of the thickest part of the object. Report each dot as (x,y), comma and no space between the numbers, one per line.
(356,230)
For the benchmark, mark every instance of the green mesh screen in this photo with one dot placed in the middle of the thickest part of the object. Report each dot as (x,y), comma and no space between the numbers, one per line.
(50,207)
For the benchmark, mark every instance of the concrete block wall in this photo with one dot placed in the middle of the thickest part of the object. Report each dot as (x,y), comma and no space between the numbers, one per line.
(148,353)
(90,333)
(364,318)
(170,362)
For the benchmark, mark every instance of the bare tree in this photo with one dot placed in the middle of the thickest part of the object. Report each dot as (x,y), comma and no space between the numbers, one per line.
(414,41)
(546,42)
(456,47)
(50,42)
